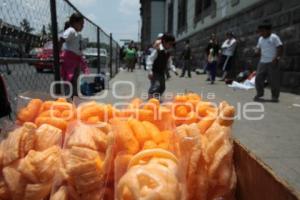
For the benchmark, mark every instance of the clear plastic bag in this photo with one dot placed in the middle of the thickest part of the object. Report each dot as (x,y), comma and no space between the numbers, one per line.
(207,162)
(145,162)
(85,165)
(29,161)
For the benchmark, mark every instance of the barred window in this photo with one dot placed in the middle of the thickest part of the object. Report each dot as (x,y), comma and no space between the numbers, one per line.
(182,15)
(198,7)
(201,7)
(207,4)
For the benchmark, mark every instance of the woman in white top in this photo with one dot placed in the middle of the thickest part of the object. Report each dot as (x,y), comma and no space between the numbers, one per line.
(71,55)
(228,49)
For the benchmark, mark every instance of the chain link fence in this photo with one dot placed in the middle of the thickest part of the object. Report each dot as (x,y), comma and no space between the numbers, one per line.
(26,45)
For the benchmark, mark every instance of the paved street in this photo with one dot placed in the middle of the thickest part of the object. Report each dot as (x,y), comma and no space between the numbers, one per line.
(274,139)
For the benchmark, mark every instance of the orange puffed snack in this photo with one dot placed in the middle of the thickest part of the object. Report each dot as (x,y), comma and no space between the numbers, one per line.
(68,115)
(180,98)
(135,103)
(139,130)
(152,104)
(59,104)
(153,131)
(50,113)
(125,113)
(124,137)
(164,119)
(92,109)
(150,144)
(54,121)
(30,112)
(144,115)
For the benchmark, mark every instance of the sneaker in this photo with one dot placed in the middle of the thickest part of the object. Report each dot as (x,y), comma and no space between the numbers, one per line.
(257,98)
(212,82)
(275,100)
(208,79)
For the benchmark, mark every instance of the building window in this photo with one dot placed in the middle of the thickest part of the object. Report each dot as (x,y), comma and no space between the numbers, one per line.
(207,4)
(182,15)
(198,7)
(170,16)
(202,8)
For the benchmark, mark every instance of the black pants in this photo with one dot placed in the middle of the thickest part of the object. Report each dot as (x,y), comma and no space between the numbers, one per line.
(167,73)
(131,64)
(158,86)
(74,83)
(226,63)
(271,72)
(186,67)
(212,68)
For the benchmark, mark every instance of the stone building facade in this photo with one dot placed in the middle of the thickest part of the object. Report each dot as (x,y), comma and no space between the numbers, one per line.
(153,20)
(196,20)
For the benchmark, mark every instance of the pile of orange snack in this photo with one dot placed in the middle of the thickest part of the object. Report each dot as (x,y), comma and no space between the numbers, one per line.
(178,150)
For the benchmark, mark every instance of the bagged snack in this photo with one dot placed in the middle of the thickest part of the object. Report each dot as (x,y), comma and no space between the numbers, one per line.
(56,113)
(151,174)
(208,157)
(28,165)
(85,163)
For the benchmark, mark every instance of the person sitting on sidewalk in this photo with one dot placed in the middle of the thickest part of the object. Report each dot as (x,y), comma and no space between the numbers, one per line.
(270,49)
(228,49)
(186,55)
(157,63)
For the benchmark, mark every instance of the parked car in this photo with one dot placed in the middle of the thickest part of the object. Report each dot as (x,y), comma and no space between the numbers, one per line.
(34,52)
(46,53)
(91,55)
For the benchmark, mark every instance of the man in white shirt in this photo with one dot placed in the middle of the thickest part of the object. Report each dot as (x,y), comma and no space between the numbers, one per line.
(228,49)
(270,50)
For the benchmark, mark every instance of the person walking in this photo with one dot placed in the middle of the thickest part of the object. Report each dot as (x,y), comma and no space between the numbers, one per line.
(212,53)
(156,45)
(270,49)
(186,55)
(71,55)
(130,57)
(157,63)
(228,48)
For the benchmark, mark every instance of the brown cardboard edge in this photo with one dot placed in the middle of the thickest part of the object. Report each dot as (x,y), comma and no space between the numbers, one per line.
(277,189)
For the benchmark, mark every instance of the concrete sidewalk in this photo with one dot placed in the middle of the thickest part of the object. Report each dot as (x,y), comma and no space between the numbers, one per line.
(275,139)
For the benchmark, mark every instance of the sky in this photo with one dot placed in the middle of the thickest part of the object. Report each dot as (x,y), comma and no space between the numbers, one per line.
(120,17)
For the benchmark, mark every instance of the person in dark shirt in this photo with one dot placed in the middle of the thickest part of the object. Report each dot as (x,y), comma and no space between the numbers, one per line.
(186,55)
(157,63)
(212,53)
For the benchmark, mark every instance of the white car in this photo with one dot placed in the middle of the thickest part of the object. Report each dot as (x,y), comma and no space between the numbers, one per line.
(91,55)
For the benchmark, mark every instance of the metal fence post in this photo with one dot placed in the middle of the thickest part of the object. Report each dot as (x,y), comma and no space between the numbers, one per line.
(98,51)
(55,44)
(117,59)
(110,56)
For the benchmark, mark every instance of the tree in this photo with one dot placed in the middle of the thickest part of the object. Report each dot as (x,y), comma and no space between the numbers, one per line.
(25,26)
(43,31)
(44,35)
